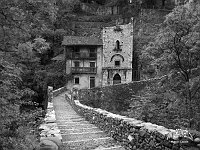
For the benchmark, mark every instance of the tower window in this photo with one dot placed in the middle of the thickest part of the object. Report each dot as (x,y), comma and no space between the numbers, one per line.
(76,80)
(117,44)
(117,63)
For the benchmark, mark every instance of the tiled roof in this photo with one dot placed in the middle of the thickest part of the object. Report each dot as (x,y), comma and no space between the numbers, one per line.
(78,40)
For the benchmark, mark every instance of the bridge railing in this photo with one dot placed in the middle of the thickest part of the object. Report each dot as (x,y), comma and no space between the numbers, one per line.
(52,93)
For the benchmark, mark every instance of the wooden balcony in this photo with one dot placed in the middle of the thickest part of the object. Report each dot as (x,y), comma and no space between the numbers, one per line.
(84,70)
(79,56)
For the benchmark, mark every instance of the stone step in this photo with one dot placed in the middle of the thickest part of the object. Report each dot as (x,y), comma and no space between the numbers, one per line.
(116,147)
(68,131)
(69,114)
(75,126)
(89,144)
(77,133)
(82,130)
(84,135)
(73,119)
(71,122)
(69,118)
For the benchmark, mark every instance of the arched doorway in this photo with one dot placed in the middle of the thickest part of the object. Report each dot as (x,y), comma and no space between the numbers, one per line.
(116,79)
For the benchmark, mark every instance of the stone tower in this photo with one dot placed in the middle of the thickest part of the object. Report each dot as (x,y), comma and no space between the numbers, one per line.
(117,54)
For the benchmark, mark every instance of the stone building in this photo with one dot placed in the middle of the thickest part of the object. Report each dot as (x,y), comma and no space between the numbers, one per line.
(117,54)
(100,61)
(83,60)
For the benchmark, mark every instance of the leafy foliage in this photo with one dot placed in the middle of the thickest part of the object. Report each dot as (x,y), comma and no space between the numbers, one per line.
(175,52)
(19,102)
(15,126)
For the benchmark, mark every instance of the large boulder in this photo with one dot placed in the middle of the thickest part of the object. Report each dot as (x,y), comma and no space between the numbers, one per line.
(47,145)
(56,140)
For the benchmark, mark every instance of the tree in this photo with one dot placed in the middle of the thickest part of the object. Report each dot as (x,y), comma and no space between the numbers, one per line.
(176,52)
(18,19)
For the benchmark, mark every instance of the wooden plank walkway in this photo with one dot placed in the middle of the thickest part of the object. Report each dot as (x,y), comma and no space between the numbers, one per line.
(77,133)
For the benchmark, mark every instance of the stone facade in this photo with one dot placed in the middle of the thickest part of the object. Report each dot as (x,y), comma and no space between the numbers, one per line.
(117,54)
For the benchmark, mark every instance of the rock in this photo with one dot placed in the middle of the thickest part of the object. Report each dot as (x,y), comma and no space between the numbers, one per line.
(56,140)
(47,145)
(167,144)
(175,147)
(152,143)
(192,148)
(198,145)
(197,140)
(130,138)
(99,148)
(142,132)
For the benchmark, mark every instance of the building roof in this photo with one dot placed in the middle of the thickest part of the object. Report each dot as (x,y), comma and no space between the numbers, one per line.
(78,40)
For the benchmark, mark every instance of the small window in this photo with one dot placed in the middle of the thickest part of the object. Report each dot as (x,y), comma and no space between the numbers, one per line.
(76,49)
(92,64)
(92,82)
(76,64)
(117,45)
(92,50)
(76,80)
(117,63)
(92,53)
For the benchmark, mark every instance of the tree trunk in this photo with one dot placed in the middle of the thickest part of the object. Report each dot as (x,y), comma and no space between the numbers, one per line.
(190,108)
(163,3)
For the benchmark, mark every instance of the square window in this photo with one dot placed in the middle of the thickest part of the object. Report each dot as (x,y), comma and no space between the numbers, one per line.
(92,64)
(76,64)
(92,82)
(117,63)
(76,80)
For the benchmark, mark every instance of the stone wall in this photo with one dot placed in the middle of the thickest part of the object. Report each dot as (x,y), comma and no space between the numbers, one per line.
(53,93)
(135,134)
(58,91)
(114,98)
(124,34)
(50,137)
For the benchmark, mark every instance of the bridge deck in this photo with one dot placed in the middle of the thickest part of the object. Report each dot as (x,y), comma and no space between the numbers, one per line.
(77,133)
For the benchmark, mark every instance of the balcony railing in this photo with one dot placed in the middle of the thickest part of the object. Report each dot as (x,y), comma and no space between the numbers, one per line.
(78,55)
(80,70)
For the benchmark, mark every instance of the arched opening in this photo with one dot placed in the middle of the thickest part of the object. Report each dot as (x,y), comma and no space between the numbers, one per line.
(117,44)
(116,79)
